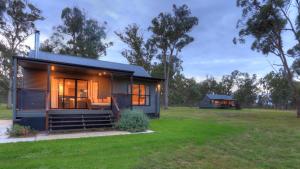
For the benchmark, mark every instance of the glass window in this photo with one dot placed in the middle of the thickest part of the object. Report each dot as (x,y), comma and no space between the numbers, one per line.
(82,94)
(69,89)
(82,88)
(140,95)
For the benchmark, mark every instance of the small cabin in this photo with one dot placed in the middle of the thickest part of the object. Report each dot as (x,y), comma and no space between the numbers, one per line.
(217,101)
(62,92)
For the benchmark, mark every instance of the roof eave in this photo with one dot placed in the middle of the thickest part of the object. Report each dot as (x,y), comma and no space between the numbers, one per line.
(69,64)
(149,78)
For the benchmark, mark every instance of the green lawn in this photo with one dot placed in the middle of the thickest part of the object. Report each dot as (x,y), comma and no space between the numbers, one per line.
(184,138)
(4,112)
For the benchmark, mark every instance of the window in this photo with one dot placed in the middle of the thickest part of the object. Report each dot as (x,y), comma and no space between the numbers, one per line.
(140,95)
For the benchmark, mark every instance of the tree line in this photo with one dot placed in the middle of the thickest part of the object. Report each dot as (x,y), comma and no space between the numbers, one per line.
(270,91)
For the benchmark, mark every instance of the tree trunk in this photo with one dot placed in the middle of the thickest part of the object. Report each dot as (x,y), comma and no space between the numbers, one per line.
(166,82)
(298,106)
(9,94)
(166,94)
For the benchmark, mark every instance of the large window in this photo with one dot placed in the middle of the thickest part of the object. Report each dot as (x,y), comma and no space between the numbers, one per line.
(69,93)
(140,95)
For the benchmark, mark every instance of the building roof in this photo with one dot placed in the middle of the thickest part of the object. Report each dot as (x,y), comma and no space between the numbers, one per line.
(219,97)
(137,71)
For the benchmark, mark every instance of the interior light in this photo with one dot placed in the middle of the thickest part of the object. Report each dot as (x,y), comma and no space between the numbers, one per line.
(158,87)
(52,68)
(99,74)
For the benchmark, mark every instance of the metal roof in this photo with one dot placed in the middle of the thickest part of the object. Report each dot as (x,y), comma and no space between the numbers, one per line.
(68,59)
(219,97)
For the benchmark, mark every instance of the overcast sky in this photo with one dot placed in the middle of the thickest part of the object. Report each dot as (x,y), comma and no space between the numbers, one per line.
(212,52)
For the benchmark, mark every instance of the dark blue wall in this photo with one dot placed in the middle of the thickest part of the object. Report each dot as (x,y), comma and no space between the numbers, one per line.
(36,123)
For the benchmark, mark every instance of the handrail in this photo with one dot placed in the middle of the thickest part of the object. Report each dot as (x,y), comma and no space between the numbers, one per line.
(115,108)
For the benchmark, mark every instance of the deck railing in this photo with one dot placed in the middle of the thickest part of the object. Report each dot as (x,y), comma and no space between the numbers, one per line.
(31,99)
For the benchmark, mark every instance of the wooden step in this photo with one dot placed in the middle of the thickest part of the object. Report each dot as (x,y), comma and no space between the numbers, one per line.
(79,121)
(68,122)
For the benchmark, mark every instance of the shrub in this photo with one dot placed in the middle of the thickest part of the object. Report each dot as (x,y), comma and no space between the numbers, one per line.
(133,121)
(20,131)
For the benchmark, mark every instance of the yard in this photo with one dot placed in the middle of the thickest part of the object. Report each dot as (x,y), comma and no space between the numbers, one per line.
(4,112)
(184,138)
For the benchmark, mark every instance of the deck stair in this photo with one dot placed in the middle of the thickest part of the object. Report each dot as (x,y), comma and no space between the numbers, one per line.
(80,121)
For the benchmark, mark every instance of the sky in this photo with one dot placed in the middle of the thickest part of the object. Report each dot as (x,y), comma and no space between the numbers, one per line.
(211,54)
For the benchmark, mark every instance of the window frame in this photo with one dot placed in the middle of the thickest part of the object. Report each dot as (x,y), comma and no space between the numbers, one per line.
(130,92)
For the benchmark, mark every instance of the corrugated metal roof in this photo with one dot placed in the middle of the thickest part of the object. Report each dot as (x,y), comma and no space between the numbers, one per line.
(68,59)
(219,97)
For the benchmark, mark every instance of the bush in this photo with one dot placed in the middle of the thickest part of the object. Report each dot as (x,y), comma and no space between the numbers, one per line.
(20,131)
(133,121)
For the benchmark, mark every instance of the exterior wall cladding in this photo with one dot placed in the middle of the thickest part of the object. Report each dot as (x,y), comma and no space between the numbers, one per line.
(37,79)
(153,110)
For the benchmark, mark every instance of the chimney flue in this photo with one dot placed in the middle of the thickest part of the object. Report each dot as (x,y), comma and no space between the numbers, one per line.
(37,43)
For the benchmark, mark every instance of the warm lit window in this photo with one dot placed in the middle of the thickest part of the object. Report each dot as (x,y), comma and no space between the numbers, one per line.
(140,95)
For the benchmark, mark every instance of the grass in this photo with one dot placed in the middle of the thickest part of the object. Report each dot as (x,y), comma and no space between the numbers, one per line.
(4,112)
(184,138)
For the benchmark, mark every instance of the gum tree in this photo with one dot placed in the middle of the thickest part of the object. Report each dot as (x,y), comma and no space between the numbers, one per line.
(78,35)
(17,23)
(141,51)
(268,22)
(171,35)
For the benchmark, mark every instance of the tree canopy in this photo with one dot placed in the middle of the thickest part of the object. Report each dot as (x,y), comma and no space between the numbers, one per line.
(78,35)
(141,52)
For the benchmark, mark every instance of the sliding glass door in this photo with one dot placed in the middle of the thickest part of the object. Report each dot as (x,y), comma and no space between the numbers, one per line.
(69,93)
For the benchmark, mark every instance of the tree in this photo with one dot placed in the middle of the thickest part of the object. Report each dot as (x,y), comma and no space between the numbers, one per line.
(226,84)
(184,91)
(246,93)
(209,86)
(77,36)
(17,23)
(170,35)
(278,89)
(140,53)
(268,21)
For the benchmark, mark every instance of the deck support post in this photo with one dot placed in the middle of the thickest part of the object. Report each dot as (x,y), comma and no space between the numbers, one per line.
(48,96)
(14,89)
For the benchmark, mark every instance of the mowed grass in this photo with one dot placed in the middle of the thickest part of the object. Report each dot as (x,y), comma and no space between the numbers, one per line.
(4,112)
(183,138)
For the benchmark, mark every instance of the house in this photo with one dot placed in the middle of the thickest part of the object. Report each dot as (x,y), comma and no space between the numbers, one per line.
(217,101)
(61,92)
